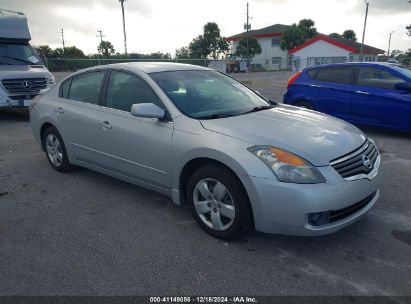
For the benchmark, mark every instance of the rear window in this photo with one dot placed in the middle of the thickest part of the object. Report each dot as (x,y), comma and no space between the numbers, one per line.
(64,88)
(333,74)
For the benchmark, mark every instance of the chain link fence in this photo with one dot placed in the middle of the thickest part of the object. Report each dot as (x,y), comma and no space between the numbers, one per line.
(274,64)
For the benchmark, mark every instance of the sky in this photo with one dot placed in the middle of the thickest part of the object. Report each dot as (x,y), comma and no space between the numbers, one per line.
(165,25)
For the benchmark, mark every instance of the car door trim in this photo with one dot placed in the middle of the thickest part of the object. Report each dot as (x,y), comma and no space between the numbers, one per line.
(119,158)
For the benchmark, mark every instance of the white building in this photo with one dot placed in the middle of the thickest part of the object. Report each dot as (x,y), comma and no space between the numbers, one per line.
(319,50)
(324,49)
(272,56)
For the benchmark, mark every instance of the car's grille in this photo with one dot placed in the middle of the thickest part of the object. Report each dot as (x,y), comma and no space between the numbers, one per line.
(359,161)
(346,212)
(24,85)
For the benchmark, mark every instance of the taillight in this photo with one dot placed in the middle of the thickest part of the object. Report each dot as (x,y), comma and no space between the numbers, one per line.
(293,78)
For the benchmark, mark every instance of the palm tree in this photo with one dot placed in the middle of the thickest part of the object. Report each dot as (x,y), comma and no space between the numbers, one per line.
(124,26)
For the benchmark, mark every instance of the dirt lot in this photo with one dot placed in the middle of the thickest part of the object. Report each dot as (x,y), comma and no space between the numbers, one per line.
(84,233)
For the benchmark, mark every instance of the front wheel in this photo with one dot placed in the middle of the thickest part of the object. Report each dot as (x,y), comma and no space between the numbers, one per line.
(219,203)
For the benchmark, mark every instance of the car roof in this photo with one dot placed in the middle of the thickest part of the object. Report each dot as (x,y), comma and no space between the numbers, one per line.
(386,64)
(150,67)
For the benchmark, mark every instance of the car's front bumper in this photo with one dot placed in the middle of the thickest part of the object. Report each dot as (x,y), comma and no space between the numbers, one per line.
(18,100)
(284,208)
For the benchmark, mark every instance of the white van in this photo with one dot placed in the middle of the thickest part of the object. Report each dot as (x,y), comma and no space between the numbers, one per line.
(22,74)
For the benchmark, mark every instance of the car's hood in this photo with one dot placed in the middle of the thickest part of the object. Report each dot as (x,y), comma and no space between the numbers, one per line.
(316,137)
(23,71)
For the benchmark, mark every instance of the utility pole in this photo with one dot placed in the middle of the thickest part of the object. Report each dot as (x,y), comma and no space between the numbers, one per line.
(389,45)
(62,37)
(124,26)
(247,27)
(100,34)
(363,33)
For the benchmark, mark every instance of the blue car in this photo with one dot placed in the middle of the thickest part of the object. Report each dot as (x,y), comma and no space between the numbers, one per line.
(371,94)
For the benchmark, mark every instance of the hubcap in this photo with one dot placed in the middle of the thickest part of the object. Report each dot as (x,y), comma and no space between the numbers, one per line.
(214,204)
(54,151)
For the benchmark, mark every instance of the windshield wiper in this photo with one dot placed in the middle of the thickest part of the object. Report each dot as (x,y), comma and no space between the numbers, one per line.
(19,59)
(216,116)
(258,108)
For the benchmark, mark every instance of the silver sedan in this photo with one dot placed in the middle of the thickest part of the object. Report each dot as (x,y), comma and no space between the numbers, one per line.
(238,160)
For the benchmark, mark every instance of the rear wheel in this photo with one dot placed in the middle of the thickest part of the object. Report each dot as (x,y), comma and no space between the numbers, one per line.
(219,203)
(304,104)
(56,150)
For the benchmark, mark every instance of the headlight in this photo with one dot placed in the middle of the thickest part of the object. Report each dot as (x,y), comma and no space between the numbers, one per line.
(288,167)
(51,79)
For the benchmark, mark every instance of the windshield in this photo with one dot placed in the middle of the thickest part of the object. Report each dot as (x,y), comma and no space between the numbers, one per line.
(208,94)
(14,53)
(403,71)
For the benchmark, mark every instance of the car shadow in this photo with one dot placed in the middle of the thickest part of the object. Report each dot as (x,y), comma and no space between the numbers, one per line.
(14,115)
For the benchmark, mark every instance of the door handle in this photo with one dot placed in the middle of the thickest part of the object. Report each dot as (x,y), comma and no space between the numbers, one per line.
(59,110)
(315,86)
(362,92)
(106,124)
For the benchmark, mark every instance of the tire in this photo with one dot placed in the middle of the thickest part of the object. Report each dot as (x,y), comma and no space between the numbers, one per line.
(236,69)
(55,150)
(219,203)
(304,104)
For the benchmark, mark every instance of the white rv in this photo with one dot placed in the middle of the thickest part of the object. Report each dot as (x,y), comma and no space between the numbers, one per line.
(22,74)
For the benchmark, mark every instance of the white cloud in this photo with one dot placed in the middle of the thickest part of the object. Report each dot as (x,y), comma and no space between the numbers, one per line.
(163,25)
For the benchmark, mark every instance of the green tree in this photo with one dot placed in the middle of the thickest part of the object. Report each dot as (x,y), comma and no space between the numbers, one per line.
(307,26)
(408,28)
(254,48)
(44,51)
(106,48)
(183,53)
(292,37)
(350,35)
(210,43)
(335,35)
(297,34)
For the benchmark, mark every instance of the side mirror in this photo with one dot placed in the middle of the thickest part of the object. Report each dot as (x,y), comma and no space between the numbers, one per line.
(403,86)
(147,110)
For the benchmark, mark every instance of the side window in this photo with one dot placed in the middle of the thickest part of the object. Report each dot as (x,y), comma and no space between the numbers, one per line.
(275,42)
(64,88)
(312,73)
(86,87)
(334,74)
(377,78)
(125,89)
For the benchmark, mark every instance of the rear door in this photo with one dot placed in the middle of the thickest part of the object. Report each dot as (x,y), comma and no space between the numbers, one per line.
(335,84)
(77,115)
(377,102)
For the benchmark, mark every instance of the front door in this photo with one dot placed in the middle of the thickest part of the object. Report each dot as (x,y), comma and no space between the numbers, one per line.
(139,148)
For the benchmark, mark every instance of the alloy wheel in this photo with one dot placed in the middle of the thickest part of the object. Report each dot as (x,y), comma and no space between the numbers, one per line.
(214,204)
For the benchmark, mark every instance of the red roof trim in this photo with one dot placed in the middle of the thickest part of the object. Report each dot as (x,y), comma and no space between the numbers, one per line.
(323,38)
(256,36)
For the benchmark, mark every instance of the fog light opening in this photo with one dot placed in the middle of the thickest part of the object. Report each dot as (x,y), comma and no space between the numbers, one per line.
(318,219)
